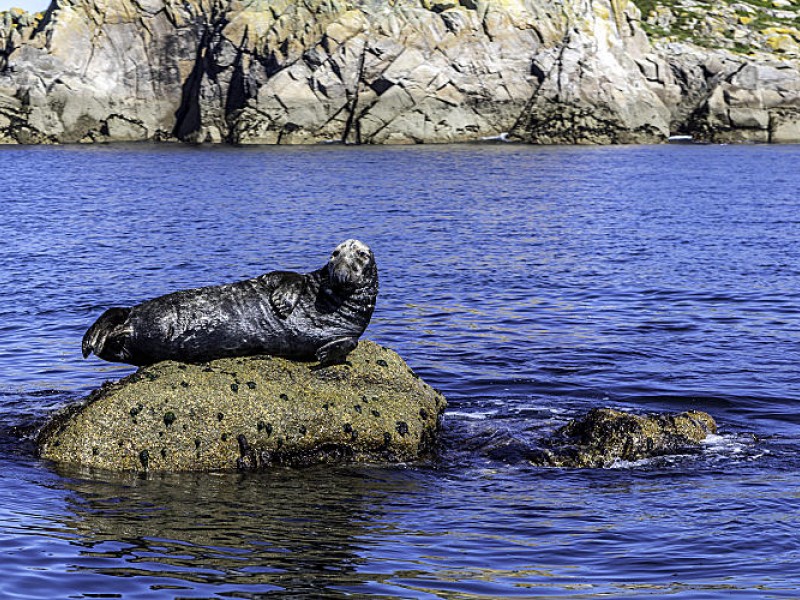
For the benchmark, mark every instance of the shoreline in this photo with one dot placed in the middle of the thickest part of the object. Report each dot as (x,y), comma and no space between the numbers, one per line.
(676,140)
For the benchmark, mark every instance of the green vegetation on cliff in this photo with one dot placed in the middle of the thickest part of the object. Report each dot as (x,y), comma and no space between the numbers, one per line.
(746,27)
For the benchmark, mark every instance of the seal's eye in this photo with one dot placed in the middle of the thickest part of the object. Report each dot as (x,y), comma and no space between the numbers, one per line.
(363,254)
(335,253)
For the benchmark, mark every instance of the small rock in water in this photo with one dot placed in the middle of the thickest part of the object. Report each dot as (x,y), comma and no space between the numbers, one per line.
(605,435)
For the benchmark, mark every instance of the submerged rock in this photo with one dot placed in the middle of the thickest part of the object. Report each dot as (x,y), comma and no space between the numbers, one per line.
(246,413)
(605,435)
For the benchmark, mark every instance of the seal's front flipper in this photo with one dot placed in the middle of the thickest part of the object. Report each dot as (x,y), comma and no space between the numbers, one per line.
(336,351)
(287,293)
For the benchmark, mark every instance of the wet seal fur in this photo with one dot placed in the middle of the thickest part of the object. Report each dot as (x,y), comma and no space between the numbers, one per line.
(314,315)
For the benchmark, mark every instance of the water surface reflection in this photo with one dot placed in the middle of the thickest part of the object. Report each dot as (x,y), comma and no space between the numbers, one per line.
(250,534)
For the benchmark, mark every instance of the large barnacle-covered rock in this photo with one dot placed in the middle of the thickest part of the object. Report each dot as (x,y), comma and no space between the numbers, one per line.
(247,413)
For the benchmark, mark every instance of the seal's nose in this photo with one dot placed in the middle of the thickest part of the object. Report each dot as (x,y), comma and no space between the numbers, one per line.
(342,274)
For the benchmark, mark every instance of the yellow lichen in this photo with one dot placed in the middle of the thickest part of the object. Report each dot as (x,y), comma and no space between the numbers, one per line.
(790,31)
(782,43)
(619,6)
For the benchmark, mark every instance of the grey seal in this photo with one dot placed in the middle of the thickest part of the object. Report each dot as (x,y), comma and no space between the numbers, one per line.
(314,315)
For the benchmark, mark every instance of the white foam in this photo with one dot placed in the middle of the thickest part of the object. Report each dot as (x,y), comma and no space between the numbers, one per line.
(472,416)
(629,464)
(723,444)
(619,463)
(730,446)
(712,439)
(503,137)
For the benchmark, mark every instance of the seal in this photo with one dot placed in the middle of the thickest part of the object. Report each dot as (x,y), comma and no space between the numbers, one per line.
(304,316)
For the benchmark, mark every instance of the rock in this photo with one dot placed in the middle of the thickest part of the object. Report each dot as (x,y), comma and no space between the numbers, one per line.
(121,129)
(743,27)
(410,71)
(729,98)
(593,89)
(252,72)
(605,435)
(785,127)
(248,413)
(735,66)
(749,118)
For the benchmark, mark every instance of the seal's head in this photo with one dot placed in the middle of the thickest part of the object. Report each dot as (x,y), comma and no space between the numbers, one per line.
(352,264)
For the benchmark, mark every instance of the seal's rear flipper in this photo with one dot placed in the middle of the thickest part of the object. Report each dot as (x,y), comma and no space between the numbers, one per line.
(336,351)
(109,325)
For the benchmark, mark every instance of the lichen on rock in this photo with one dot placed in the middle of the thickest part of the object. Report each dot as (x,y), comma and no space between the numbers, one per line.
(249,413)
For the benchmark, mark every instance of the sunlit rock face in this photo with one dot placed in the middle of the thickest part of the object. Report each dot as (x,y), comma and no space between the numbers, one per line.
(411,71)
(250,413)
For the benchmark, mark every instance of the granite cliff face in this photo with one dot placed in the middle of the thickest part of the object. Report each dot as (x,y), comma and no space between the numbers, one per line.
(372,71)
(737,65)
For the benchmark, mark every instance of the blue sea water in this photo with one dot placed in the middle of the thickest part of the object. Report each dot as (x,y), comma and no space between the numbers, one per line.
(528,284)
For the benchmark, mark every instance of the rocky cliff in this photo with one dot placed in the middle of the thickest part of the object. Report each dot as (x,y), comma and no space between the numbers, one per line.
(380,71)
(736,63)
